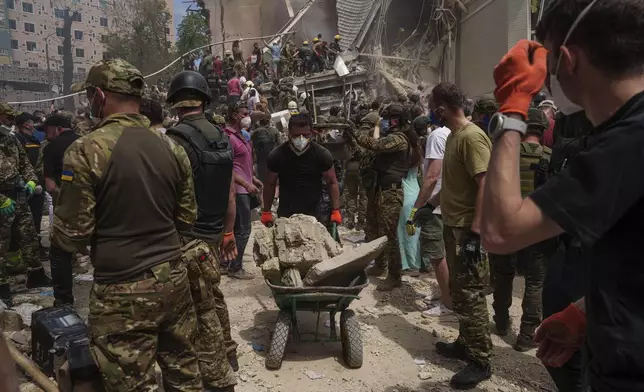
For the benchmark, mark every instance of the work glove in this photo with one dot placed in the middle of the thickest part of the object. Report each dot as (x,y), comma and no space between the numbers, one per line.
(228,247)
(267,218)
(423,214)
(560,336)
(410,225)
(30,187)
(471,248)
(519,76)
(336,217)
(7,208)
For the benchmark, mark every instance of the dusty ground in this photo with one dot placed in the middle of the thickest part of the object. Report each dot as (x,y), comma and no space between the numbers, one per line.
(398,344)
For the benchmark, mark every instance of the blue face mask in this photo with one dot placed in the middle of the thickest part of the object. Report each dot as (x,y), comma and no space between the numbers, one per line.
(485,120)
(434,120)
(384,126)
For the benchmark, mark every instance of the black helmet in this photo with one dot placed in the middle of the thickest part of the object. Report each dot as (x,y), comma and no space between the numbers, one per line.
(190,84)
(421,123)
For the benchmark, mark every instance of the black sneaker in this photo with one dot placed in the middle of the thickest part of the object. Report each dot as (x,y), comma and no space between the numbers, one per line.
(470,376)
(524,343)
(454,350)
(232,359)
(502,326)
(38,278)
(5,295)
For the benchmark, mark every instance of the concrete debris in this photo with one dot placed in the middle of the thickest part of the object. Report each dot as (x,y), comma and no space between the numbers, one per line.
(292,278)
(424,375)
(43,297)
(29,387)
(25,310)
(271,270)
(20,339)
(313,375)
(293,244)
(12,321)
(350,263)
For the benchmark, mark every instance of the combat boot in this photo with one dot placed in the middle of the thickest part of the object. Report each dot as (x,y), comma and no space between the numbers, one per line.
(38,278)
(524,343)
(471,375)
(5,294)
(375,270)
(455,350)
(390,283)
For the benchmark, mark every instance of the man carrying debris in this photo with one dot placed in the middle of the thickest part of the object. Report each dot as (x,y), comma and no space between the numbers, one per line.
(211,237)
(305,54)
(394,155)
(140,306)
(17,183)
(300,165)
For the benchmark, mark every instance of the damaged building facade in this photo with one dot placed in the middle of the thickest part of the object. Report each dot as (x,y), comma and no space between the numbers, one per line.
(400,43)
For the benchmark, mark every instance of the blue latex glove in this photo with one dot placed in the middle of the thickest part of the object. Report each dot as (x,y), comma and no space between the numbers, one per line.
(7,208)
(30,187)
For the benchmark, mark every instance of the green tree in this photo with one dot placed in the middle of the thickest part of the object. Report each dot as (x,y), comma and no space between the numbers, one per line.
(193,32)
(139,34)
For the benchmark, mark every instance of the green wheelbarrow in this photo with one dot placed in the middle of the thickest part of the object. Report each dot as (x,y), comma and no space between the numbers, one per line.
(330,299)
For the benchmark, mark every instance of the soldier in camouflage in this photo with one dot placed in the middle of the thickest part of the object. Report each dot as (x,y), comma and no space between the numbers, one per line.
(393,157)
(484,109)
(534,161)
(140,308)
(17,182)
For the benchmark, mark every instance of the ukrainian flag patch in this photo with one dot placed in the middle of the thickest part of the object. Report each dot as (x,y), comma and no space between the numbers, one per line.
(67,175)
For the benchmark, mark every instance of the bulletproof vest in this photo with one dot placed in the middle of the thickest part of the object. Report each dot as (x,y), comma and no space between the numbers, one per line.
(533,163)
(392,167)
(212,175)
(305,52)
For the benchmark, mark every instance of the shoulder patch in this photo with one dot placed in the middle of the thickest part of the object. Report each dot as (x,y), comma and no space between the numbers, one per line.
(67,175)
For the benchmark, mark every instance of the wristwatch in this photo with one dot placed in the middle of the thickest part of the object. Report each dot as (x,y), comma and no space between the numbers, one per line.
(500,123)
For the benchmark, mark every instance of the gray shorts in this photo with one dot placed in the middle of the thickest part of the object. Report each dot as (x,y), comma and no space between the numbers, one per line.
(432,245)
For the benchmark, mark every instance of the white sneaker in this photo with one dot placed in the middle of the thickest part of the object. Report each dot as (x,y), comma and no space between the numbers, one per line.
(436,311)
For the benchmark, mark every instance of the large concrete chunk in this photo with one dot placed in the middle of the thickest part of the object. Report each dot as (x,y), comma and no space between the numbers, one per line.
(292,278)
(347,265)
(271,270)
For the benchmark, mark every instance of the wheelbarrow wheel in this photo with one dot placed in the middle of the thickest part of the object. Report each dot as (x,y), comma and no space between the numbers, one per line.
(351,339)
(282,331)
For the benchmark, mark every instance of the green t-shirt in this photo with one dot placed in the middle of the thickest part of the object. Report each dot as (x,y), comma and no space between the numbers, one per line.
(467,154)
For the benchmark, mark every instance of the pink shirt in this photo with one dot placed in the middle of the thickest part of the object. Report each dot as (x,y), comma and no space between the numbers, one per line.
(242,158)
(234,87)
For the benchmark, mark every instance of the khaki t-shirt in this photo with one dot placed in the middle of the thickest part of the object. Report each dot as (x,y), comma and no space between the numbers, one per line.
(467,153)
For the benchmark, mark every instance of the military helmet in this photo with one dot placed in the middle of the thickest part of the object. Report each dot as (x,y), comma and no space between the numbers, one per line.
(188,86)
(486,104)
(421,123)
(537,120)
(397,110)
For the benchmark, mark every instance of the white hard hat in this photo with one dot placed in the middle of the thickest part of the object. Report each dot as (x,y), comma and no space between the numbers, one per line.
(292,105)
(250,84)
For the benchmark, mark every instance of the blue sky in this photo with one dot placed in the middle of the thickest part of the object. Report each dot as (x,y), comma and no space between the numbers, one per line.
(179,12)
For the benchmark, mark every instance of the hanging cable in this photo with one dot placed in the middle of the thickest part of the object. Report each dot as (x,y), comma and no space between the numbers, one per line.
(162,69)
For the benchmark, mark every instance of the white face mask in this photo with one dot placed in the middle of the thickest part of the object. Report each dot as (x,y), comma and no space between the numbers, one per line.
(300,144)
(565,105)
(245,123)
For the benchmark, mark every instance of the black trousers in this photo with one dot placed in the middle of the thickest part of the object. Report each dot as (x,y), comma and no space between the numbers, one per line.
(565,282)
(61,276)
(36,203)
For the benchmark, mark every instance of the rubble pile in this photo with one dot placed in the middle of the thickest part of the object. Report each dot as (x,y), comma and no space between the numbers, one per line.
(288,250)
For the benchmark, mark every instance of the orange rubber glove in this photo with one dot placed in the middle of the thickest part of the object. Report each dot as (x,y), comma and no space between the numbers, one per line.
(560,335)
(336,217)
(519,76)
(267,218)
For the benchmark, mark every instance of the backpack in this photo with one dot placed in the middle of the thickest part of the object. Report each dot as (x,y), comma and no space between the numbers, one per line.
(533,162)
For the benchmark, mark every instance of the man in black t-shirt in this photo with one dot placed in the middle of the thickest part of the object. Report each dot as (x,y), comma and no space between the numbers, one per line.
(59,136)
(594,57)
(300,164)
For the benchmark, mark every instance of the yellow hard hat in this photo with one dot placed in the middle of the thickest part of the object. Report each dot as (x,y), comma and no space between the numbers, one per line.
(305,43)
(316,39)
(338,37)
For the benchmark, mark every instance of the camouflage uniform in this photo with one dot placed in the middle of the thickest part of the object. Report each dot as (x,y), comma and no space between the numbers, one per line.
(83,125)
(15,166)
(368,181)
(135,322)
(355,197)
(484,109)
(202,263)
(534,161)
(388,202)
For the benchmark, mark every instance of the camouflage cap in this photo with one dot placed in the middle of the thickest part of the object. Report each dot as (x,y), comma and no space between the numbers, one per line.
(486,104)
(116,75)
(188,103)
(537,118)
(219,119)
(6,109)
